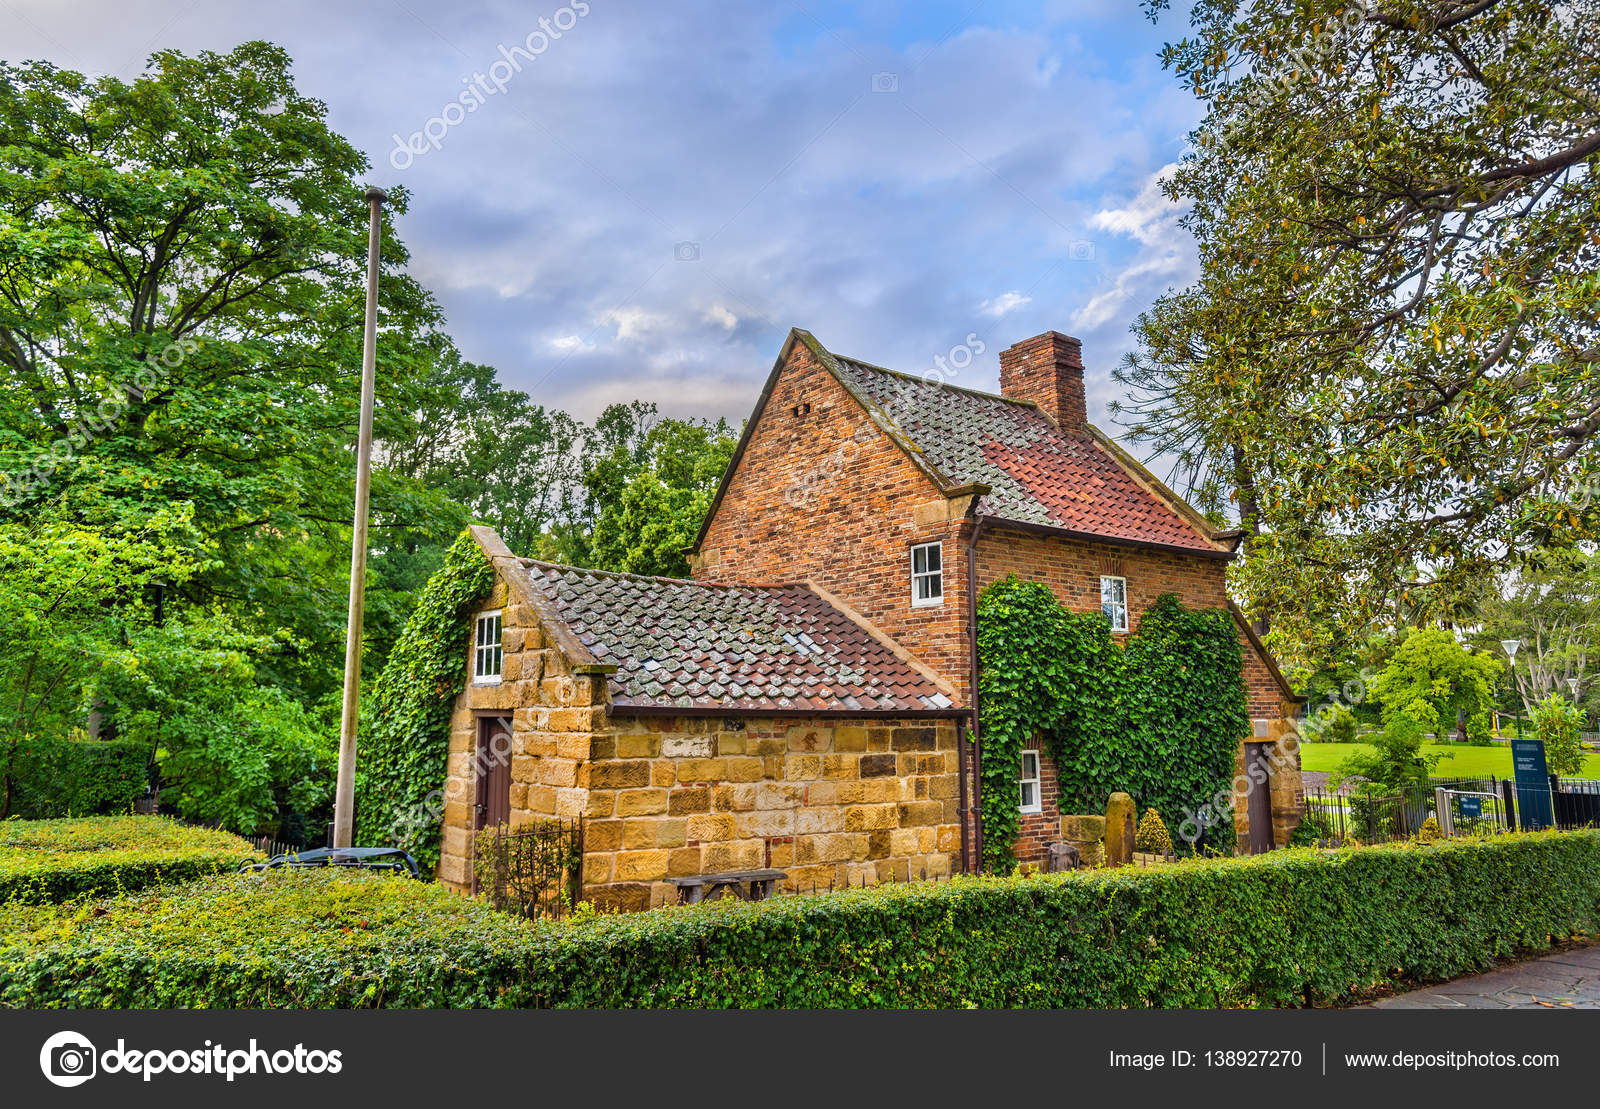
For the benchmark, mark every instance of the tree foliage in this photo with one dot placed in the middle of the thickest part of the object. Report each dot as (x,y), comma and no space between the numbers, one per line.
(1443,687)
(1552,608)
(1560,725)
(653,488)
(1389,363)
(182,258)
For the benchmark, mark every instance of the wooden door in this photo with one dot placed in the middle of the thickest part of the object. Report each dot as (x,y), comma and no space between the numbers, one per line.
(1259,800)
(493,766)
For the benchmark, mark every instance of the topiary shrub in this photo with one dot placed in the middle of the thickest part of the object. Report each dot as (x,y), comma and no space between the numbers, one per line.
(1430,831)
(1152,835)
(57,860)
(1287,928)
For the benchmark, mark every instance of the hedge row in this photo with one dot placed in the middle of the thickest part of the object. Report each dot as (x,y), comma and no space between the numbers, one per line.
(56,860)
(1291,928)
(52,777)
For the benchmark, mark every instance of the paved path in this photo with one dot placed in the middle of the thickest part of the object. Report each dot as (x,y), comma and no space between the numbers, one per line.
(1565,980)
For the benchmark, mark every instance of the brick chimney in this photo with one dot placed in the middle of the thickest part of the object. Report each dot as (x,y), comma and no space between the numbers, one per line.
(1048,370)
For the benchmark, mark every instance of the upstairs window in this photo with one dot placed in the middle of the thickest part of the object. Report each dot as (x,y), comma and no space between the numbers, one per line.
(1114,602)
(487,655)
(927,574)
(1029,783)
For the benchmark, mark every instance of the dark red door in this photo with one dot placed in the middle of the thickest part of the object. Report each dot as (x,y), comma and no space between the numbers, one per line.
(1259,799)
(493,771)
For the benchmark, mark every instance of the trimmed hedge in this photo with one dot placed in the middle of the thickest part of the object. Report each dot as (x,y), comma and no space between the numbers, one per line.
(1290,928)
(53,777)
(56,860)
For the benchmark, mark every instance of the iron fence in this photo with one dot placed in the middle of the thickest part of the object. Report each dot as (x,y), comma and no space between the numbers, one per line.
(532,870)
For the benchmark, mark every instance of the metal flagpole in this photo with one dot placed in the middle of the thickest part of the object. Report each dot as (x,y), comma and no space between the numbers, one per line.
(344,796)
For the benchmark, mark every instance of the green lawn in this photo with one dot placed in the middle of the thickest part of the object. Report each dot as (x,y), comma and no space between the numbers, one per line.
(1459,762)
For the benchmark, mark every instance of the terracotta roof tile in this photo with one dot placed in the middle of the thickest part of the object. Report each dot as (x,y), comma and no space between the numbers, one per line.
(742,648)
(1036,473)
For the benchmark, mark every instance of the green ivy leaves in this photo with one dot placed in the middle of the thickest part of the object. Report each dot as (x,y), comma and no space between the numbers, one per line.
(1160,719)
(405,734)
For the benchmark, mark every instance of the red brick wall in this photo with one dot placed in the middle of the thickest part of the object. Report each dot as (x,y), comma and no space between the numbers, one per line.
(826,496)
(1072,568)
(1037,831)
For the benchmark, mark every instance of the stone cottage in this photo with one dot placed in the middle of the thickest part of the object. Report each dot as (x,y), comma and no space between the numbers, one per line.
(820,724)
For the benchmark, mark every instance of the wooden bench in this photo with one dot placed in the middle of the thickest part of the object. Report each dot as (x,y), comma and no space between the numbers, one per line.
(746,885)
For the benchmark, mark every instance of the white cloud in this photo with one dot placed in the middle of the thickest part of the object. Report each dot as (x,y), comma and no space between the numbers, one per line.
(1149,217)
(634,324)
(570,344)
(995,307)
(1131,286)
(723,318)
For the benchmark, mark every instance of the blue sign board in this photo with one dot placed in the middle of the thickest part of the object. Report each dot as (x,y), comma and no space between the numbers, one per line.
(1533,784)
(1471,807)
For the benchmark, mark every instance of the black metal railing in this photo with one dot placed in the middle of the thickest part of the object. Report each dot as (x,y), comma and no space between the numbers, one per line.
(533,870)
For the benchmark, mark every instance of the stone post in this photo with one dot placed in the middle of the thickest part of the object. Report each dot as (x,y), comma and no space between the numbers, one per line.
(1120,824)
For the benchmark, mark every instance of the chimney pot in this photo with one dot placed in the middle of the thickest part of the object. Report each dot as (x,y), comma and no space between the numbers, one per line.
(1048,370)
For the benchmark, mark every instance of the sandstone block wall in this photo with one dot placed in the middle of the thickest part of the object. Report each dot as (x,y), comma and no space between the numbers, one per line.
(827,802)
(555,715)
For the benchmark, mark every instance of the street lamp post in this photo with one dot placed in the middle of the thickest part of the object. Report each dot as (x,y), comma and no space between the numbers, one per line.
(1512,646)
(345,787)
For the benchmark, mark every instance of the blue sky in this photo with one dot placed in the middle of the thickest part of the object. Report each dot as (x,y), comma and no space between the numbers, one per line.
(645,204)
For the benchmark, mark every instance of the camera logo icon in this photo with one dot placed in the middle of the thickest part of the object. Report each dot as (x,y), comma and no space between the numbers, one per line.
(67,1059)
(885,82)
(686,251)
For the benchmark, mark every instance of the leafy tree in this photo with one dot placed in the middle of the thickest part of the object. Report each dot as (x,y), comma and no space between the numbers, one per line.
(1437,683)
(1332,724)
(181,274)
(1388,367)
(1552,608)
(652,489)
(511,463)
(1394,763)
(69,596)
(229,749)
(1556,721)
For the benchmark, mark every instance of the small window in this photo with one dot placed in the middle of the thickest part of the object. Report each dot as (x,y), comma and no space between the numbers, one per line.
(927,574)
(487,655)
(1114,602)
(1030,783)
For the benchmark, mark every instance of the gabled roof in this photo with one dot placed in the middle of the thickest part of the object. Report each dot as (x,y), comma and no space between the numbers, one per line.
(686,645)
(1026,470)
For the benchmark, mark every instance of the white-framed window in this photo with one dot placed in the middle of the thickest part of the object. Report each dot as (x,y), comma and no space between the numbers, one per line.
(927,574)
(1031,801)
(1114,602)
(487,655)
